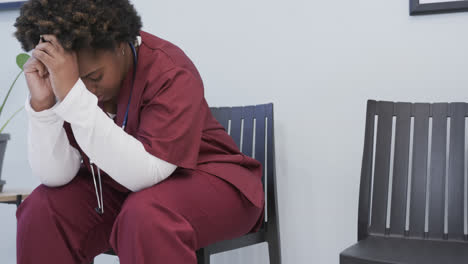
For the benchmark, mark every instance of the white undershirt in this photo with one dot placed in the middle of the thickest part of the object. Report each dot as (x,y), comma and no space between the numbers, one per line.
(111,115)
(55,162)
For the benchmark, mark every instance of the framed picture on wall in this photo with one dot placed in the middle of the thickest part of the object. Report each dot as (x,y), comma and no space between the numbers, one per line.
(10,4)
(423,7)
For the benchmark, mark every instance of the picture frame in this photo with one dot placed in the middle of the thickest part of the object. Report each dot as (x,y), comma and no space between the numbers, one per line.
(424,7)
(10,4)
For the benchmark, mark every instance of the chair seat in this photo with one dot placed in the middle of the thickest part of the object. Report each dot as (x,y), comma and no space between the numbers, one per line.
(403,250)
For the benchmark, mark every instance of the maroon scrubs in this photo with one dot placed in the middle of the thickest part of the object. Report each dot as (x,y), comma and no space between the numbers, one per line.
(214,194)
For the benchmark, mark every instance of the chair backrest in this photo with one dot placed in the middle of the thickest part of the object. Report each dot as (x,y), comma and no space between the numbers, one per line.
(413,178)
(251,127)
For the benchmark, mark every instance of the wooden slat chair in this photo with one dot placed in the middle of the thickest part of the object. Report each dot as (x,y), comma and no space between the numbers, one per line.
(412,205)
(251,127)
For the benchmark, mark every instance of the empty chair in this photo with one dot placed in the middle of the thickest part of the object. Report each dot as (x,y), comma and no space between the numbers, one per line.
(412,199)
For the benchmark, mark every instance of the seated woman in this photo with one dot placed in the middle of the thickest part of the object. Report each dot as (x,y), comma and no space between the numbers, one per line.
(124,143)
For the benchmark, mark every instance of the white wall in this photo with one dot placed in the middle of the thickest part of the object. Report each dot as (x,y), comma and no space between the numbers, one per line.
(318,61)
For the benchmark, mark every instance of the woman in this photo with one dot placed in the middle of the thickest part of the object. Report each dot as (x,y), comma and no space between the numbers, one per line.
(123,142)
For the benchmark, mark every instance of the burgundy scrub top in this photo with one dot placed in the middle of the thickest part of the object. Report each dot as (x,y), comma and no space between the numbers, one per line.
(171,118)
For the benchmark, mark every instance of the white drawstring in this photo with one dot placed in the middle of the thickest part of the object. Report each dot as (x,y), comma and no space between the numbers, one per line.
(100,208)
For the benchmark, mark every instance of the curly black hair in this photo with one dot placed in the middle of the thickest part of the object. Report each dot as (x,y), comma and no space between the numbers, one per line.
(77,24)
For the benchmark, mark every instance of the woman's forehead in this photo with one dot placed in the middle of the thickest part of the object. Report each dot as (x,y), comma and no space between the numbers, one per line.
(90,60)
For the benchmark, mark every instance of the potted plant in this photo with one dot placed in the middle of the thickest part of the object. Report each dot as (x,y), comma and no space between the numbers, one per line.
(21,59)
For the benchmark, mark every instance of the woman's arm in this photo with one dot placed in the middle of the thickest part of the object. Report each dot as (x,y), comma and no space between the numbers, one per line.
(120,155)
(51,157)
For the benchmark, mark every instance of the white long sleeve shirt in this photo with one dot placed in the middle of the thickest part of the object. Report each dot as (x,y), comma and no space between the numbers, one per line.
(55,162)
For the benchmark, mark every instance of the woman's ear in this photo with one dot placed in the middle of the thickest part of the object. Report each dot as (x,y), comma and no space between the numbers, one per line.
(120,49)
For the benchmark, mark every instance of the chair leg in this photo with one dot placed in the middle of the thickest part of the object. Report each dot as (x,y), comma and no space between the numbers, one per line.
(274,251)
(203,256)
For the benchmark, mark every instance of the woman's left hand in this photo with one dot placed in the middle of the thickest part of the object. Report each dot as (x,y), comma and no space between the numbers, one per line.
(62,65)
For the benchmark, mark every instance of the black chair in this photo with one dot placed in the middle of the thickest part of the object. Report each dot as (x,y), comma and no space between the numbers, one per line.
(412,206)
(251,127)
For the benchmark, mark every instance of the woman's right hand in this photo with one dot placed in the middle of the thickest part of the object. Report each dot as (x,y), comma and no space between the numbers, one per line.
(38,81)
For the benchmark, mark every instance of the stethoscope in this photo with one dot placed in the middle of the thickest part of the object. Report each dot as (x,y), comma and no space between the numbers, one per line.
(100,201)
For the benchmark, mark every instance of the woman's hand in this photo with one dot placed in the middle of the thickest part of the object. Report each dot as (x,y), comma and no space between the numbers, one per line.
(61,65)
(38,81)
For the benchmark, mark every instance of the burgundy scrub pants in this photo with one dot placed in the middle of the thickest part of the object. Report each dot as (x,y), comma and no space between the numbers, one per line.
(165,223)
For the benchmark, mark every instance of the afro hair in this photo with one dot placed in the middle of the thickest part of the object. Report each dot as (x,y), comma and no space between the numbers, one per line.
(77,24)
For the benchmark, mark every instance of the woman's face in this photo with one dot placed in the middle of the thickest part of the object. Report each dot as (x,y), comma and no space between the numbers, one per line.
(102,72)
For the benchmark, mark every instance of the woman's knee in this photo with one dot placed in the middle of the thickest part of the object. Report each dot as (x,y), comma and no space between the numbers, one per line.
(36,205)
(46,205)
(141,219)
(140,213)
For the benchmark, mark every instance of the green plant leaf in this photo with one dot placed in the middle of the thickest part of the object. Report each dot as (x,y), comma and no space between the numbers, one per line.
(21,59)
(9,119)
(9,91)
